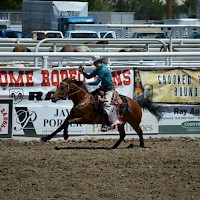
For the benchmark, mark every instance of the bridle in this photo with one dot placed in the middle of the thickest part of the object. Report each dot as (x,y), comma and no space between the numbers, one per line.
(68,88)
(81,104)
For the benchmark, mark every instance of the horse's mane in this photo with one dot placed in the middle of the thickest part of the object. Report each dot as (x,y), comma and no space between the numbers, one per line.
(78,83)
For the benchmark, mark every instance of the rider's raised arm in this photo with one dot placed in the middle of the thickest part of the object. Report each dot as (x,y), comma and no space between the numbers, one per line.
(91,75)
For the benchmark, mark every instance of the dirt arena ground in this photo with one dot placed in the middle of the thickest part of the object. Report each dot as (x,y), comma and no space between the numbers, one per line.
(168,168)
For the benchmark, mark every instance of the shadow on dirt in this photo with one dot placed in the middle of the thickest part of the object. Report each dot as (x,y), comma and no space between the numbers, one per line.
(130,146)
(82,148)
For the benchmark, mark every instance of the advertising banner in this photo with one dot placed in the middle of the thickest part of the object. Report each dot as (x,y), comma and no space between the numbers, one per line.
(171,86)
(180,119)
(34,121)
(149,125)
(34,87)
(6,106)
(31,89)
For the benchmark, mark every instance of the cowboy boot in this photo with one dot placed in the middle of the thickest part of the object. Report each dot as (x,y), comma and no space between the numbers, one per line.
(106,125)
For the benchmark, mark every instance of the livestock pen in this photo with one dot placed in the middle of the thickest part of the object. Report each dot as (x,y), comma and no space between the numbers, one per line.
(168,78)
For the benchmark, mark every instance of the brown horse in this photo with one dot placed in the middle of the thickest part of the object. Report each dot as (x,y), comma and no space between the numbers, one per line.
(85,111)
(96,42)
(131,50)
(69,48)
(21,48)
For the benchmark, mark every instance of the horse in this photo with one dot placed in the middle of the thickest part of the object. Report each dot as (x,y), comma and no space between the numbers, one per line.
(69,48)
(131,50)
(96,42)
(85,110)
(21,48)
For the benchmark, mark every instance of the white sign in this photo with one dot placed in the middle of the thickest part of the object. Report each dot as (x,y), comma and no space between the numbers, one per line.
(149,125)
(180,119)
(6,118)
(34,121)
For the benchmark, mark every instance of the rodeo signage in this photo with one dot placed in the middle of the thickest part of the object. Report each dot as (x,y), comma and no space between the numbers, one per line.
(36,85)
(31,89)
(6,106)
(181,119)
(173,86)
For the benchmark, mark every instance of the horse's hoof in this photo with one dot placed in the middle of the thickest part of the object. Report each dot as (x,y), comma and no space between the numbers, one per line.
(65,136)
(142,144)
(44,139)
(130,146)
(57,148)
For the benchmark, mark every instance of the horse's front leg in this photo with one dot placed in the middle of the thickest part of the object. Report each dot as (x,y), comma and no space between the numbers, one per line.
(71,121)
(65,133)
(64,126)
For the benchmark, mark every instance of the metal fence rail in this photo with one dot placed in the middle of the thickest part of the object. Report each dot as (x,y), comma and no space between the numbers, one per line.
(15,17)
(43,59)
(47,52)
(151,45)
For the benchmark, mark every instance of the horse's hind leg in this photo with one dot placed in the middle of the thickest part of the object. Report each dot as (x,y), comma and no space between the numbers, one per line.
(122,136)
(140,134)
(139,131)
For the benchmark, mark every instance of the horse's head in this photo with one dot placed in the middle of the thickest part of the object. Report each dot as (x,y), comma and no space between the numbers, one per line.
(62,90)
(67,89)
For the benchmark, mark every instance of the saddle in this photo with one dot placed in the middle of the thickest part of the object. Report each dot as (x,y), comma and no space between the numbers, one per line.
(118,100)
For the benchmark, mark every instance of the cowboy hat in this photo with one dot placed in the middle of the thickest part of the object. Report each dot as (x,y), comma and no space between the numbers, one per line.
(96,58)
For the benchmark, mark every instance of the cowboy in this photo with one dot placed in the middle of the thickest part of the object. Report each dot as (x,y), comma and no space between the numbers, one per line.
(104,77)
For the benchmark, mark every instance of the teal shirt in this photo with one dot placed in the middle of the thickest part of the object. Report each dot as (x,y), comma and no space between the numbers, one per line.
(104,76)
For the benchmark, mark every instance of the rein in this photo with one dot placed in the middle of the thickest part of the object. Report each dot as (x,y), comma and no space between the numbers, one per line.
(73,92)
(90,100)
(81,104)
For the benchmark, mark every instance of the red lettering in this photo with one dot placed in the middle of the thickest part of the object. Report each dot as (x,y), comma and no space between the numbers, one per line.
(64,74)
(126,75)
(116,77)
(16,78)
(16,81)
(79,76)
(3,110)
(29,77)
(45,78)
(73,74)
(3,78)
(55,78)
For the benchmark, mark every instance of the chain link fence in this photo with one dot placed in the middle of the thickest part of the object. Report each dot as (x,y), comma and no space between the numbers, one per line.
(15,17)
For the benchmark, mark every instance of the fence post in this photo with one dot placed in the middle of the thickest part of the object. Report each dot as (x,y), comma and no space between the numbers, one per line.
(45,61)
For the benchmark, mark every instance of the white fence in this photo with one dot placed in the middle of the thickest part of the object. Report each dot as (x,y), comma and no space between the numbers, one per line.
(155,59)
(151,45)
(188,51)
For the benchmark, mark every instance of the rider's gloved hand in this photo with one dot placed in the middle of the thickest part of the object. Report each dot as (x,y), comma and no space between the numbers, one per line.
(81,68)
(85,83)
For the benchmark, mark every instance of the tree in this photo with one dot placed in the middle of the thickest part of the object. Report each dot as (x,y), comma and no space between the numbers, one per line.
(11,5)
(189,8)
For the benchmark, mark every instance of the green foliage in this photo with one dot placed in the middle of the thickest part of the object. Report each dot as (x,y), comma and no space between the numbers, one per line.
(189,8)
(10,4)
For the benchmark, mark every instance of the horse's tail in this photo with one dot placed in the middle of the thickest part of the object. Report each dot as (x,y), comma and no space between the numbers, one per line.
(156,110)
